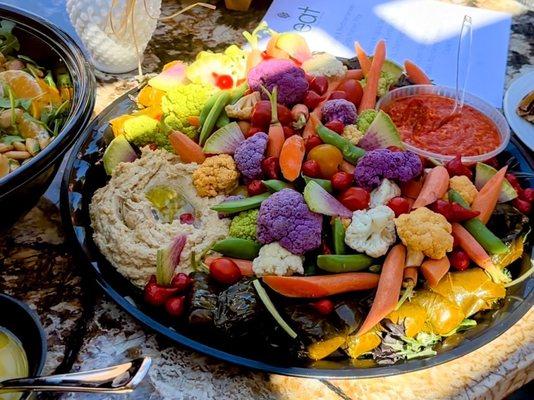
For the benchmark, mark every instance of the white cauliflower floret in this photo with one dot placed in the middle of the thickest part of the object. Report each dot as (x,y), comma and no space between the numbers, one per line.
(371,231)
(324,64)
(273,259)
(384,193)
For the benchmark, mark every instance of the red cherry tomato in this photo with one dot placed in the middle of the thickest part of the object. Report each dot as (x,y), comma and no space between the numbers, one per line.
(175,306)
(323,306)
(355,198)
(256,187)
(523,206)
(288,131)
(225,271)
(271,167)
(399,205)
(459,260)
(311,168)
(513,181)
(157,295)
(313,141)
(341,180)
(338,94)
(181,281)
(284,114)
(455,167)
(261,114)
(319,85)
(311,99)
(353,90)
(528,195)
(336,126)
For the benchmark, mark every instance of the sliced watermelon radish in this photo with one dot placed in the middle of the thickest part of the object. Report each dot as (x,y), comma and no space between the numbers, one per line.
(483,174)
(224,140)
(322,202)
(381,134)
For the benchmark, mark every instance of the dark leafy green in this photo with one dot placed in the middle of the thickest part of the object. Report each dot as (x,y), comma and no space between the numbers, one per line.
(8,41)
(203,299)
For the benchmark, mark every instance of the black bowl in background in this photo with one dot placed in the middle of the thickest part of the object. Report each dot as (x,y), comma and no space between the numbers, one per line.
(52,48)
(24,323)
(84,173)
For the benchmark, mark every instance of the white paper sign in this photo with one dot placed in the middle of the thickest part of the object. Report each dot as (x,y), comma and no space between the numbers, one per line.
(424,31)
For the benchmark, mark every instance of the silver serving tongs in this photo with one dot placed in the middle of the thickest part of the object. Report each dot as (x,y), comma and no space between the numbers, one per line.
(121,378)
(463,56)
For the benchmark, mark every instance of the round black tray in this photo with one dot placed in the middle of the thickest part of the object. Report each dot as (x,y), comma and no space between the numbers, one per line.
(84,174)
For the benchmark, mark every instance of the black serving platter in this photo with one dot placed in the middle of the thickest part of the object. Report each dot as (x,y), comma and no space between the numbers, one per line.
(84,174)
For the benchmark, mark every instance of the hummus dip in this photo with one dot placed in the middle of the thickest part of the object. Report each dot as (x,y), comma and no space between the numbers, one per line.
(130,225)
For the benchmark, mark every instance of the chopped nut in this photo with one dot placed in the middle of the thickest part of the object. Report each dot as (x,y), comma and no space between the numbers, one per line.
(17,155)
(5,147)
(32,146)
(13,165)
(19,146)
(43,141)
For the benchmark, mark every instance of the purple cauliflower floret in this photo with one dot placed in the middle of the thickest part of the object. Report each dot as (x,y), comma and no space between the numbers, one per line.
(375,165)
(249,154)
(285,218)
(290,80)
(339,110)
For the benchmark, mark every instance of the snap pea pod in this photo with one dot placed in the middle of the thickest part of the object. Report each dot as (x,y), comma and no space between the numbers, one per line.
(238,92)
(213,115)
(338,236)
(275,185)
(223,120)
(343,263)
(235,206)
(238,248)
(476,227)
(324,183)
(350,152)
(208,106)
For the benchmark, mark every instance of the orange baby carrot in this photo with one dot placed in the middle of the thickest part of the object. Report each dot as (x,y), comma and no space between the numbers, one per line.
(188,150)
(434,187)
(371,87)
(486,199)
(321,285)
(291,157)
(276,132)
(389,286)
(365,63)
(434,270)
(416,74)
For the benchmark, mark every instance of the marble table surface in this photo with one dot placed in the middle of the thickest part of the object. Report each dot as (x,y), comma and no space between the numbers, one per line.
(86,330)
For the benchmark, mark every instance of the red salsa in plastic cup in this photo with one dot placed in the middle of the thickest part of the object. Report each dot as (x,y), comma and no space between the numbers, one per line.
(418,118)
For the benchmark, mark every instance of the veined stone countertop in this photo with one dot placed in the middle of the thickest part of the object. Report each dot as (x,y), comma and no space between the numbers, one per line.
(86,330)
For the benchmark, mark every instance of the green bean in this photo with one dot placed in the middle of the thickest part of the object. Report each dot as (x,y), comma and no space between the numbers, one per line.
(213,115)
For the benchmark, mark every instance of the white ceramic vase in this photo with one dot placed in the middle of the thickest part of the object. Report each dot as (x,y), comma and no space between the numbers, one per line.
(113,50)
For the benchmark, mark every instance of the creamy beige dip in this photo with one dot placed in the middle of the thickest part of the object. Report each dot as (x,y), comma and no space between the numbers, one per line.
(128,229)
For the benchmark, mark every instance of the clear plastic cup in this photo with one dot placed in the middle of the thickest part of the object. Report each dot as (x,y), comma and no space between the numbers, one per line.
(476,102)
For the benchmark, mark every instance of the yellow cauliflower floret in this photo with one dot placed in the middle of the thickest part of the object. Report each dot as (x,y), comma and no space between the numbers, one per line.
(426,231)
(352,133)
(216,175)
(463,185)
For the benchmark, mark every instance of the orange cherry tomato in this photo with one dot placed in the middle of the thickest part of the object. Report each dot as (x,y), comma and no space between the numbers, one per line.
(328,157)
